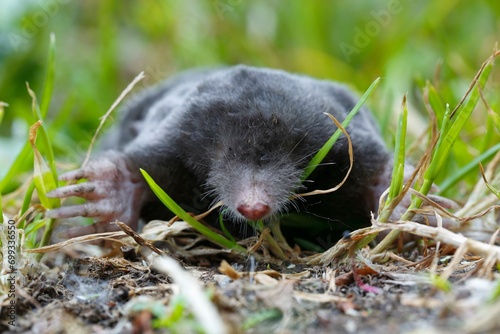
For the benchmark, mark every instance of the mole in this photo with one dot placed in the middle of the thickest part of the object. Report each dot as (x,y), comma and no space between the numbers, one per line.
(241,135)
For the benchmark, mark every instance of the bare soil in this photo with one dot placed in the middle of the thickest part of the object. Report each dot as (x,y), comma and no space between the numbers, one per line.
(72,292)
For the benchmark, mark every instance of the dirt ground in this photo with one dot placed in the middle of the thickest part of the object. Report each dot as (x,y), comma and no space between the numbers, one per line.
(119,291)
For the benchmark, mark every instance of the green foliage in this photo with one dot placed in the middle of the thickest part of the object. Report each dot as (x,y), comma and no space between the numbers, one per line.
(459,174)
(2,110)
(321,154)
(398,175)
(179,212)
(496,292)
(223,227)
(440,283)
(44,173)
(451,127)
(101,46)
(175,317)
(260,318)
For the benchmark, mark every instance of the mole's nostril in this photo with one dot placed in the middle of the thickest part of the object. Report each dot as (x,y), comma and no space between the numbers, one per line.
(254,211)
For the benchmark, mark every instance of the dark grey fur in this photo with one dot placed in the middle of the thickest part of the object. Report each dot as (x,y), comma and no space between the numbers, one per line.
(216,132)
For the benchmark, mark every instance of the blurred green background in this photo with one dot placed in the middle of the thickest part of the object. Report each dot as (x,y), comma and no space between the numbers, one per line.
(102,45)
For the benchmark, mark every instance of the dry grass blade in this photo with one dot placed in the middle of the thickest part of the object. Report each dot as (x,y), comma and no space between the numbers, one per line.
(321,154)
(140,240)
(351,163)
(139,77)
(226,269)
(319,297)
(496,53)
(495,191)
(443,235)
(345,247)
(206,213)
(86,238)
(480,198)
(427,200)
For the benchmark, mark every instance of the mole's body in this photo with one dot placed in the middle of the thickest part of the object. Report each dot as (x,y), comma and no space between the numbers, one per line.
(242,135)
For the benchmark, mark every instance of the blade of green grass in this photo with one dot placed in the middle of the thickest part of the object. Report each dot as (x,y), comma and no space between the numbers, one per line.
(179,212)
(435,101)
(108,55)
(440,283)
(61,118)
(399,165)
(26,203)
(321,154)
(17,165)
(49,78)
(39,113)
(31,234)
(45,181)
(459,175)
(445,126)
(256,319)
(224,229)
(496,291)
(490,134)
(495,191)
(44,136)
(308,245)
(2,110)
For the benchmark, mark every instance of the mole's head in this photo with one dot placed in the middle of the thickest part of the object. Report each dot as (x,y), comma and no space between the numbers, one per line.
(256,166)
(249,136)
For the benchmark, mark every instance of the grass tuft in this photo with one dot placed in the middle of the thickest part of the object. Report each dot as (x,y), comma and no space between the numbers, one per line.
(451,126)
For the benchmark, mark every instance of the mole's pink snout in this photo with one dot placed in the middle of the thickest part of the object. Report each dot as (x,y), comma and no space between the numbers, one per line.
(254,211)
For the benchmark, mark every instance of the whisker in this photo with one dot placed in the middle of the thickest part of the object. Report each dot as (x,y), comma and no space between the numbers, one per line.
(325,164)
(294,205)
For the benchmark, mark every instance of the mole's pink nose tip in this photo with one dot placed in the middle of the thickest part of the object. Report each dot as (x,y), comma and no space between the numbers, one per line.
(255,211)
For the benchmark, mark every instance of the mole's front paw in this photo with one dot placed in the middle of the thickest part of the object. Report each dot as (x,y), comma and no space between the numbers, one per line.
(113,191)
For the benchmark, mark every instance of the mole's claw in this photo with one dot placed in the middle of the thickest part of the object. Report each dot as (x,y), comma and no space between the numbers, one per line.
(73,175)
(83,210)
(113,192)
(84,190)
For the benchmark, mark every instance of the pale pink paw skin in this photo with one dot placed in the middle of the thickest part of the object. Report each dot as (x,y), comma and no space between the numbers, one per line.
(113,193)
